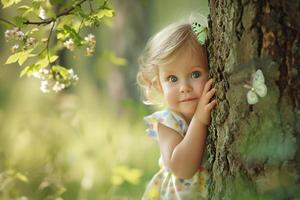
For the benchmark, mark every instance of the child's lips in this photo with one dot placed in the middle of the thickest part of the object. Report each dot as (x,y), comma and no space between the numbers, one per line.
(189,99)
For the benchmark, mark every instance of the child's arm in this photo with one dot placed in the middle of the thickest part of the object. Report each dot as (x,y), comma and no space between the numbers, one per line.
(183,155)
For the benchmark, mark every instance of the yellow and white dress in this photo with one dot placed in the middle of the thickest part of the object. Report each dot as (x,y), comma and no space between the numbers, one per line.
(164,185)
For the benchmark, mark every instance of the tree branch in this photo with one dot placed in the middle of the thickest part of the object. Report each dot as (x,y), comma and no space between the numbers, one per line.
(91,7)
(49,20)
(7,22)
(48,42)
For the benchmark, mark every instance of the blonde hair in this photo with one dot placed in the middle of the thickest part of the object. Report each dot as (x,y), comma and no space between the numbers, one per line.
(161,49)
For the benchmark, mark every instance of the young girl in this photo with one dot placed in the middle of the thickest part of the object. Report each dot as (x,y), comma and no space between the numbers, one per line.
(173,70)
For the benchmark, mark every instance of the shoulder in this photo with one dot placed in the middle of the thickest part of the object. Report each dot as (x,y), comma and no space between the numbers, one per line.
(168,121)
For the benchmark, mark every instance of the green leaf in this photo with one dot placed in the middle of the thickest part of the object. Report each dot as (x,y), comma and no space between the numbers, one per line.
(25,70)
(71,32)
(28,70)
(105,12)
(36,5)
(53,58)
(13,58)
(23,8)
(61,70)
(79,12)
(24,56)
(21,57)
(7,3)
(43,62)
(20,21)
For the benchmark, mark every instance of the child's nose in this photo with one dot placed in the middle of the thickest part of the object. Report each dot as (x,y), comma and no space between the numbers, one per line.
(185,87)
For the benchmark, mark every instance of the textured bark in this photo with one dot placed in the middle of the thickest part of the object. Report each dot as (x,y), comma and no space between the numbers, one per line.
(254,149)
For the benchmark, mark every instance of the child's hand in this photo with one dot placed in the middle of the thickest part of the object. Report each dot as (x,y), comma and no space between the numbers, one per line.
(205,104)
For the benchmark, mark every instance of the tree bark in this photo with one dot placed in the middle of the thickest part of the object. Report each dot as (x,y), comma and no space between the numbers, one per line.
(253,150)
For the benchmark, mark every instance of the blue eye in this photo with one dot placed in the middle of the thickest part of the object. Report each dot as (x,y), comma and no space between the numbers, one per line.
(172,78)
(196,74)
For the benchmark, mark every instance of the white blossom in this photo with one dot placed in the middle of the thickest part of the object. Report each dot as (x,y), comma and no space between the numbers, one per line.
(36,75)
(19,35)
(75,78)
(8,35)
(44,86)
(71,72)
(30,41)
(91,40)
(42,13)
(14,48)
(58,86)
(69,44)
(14,34)
(44,71)
(90,51)
(91,44)
(72,76)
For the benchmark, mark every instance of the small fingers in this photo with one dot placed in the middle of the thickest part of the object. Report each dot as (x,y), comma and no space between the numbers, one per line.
(207,86)
(207,96)
(210,93)
(211,105)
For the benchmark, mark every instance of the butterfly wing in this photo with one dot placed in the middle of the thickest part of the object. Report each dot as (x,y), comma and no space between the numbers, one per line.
(258,84)
(260,89)
(202,37)
(200,32)
(258,77)
(252,97)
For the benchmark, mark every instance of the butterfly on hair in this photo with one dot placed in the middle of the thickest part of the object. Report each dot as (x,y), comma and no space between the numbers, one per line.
(200,31)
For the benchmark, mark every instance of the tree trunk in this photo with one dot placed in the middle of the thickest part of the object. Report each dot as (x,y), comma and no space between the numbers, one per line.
(254,149)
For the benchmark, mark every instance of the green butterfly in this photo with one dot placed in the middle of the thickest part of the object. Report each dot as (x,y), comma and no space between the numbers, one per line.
(200,31)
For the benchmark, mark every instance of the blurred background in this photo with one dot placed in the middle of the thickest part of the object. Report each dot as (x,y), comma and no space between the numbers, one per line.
(88,141)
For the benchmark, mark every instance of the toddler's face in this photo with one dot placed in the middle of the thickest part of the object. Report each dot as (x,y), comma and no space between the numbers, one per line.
(182,82)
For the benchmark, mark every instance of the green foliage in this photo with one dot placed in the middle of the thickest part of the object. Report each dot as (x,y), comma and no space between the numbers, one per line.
(19,20)
(41,63)
(69,32)
(95,19)
(61,70)
(29,70)
(20,57)
(7,3)
(26,10)
(34,44)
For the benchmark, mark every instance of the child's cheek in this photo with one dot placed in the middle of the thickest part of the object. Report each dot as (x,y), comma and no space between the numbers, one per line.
(205,77)
(200,85)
